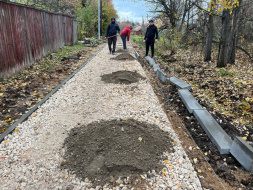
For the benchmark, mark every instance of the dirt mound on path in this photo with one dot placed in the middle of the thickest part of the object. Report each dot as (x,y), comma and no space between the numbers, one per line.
(122,77)
(121,51)
(106,150)
(124,56)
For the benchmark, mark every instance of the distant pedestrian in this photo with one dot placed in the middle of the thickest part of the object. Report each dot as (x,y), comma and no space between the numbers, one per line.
(125,35)
(150,37)
(111,34)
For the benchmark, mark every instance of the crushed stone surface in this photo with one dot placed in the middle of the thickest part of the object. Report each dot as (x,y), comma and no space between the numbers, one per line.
(32,156)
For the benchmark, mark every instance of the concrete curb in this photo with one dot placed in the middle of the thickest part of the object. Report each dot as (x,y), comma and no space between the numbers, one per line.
(214,131)
(189,101)
(243,152)
(179,83)
(239,148)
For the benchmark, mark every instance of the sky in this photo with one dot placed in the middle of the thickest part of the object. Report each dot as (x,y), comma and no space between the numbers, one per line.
(132,11)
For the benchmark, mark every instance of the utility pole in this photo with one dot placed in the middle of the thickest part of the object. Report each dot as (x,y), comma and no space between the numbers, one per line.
(99,19)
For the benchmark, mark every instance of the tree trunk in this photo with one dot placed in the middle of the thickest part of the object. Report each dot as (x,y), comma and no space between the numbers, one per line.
(209,39)
(225,41)
(186,9)
(234,34)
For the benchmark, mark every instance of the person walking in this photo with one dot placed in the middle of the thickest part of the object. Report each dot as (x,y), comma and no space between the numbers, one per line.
(151,35)
(125,35)
(111,34)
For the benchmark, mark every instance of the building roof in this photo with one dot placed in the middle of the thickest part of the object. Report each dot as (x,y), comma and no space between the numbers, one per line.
(137,29)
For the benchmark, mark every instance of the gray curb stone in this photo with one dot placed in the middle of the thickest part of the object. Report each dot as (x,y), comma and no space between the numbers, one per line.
(214,131)
(243,153)
(156,67)
(189,101)
(161,76)
(179,83)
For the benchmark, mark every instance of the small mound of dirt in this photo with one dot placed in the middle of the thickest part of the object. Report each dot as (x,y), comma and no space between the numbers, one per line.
(124,56)
(122,77)
(107,150)
(121,51)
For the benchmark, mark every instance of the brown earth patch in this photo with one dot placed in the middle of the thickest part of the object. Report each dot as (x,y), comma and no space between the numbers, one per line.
(121,51)
(123,56)
(122,77)
(106,150)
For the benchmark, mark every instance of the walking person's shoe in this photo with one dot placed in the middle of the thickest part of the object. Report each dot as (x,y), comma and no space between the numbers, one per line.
(110,52)
(113,53)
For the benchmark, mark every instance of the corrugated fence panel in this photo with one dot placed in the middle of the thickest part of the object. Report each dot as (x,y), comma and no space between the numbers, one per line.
(27,34)
(74,31)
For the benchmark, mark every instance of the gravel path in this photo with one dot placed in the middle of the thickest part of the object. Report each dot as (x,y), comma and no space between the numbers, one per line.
(31,157)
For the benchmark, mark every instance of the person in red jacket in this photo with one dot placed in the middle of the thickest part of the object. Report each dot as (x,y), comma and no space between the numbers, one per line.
(125,35)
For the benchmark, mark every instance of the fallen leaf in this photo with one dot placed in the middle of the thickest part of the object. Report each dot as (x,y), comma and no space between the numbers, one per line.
(175,142)
(195,160)
(2,159)
(28,149)
(178,185)
(140,139)
(166,161)
(164,172)
(248,107)
(171,167)
(143,177)
(199,171)
(6,141)
(1,94)
(171,175)
(244,138)
(210,169)
(66,176)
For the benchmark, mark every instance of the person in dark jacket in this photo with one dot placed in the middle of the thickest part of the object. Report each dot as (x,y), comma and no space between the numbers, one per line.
(111,34)
(151,35)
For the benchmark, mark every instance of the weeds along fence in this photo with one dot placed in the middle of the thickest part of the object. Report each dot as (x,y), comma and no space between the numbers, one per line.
(27,34)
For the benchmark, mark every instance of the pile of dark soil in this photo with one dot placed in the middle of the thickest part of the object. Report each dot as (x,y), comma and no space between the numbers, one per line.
(122,77)
(124,56)
(121,51)
(106,150)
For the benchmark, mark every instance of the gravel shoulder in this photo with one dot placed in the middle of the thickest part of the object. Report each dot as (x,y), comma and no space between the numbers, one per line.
(31,156)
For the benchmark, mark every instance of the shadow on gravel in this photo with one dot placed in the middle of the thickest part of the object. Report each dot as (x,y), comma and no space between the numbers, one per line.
(124,56)
(104,151)
(122,77)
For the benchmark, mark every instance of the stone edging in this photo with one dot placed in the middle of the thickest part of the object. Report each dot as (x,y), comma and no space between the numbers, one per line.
(238,147)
